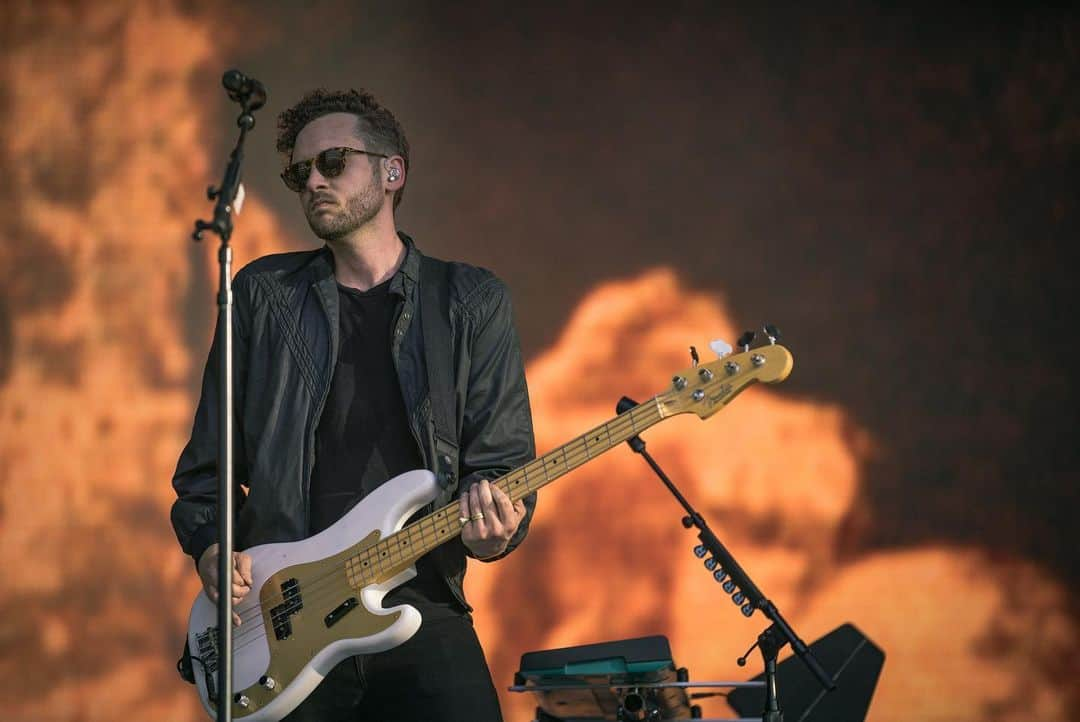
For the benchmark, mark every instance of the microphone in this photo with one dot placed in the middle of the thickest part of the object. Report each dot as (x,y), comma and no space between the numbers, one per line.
(243,88)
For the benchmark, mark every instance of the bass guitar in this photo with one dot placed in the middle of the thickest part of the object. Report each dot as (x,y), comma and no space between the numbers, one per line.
(318,601)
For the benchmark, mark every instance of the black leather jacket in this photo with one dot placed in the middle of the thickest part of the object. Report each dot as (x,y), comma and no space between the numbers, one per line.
(285,339)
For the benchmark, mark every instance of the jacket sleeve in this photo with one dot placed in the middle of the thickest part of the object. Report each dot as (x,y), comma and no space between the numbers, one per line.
(194,513)
(496,429)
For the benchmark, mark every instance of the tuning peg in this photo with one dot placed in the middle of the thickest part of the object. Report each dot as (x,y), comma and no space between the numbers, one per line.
(745,340)
(772,332)
(720,347)
(694,358)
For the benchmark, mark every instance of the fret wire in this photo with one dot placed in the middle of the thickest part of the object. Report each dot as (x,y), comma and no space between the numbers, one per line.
(607,430)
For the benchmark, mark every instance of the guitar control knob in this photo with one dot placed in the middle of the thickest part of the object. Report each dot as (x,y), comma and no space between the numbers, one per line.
(711,563)
(679,382)
(242,700)
(700,551)
(729,586)
(267,682)
(719,575)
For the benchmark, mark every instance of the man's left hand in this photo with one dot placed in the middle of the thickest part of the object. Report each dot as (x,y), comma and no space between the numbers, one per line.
(492,519)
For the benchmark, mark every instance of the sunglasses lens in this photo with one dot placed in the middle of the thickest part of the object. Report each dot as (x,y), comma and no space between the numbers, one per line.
(331,162)
(296,175)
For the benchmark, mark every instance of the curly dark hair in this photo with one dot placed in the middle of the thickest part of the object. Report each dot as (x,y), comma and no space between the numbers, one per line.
(376,125)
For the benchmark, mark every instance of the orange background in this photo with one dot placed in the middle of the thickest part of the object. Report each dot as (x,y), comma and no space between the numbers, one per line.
(897,192)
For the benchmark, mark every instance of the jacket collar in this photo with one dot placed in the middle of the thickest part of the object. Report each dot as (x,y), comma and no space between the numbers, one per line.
(407,275)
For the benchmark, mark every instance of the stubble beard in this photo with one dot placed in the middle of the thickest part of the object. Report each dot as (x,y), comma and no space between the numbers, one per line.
(359,210)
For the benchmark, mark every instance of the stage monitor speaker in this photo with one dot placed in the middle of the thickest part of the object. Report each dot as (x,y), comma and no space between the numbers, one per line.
(849,656)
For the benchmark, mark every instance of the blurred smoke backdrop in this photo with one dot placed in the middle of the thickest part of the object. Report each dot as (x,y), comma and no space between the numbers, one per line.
(896,189)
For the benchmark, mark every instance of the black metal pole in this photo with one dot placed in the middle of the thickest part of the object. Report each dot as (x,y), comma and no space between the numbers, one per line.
(251,96)
(225,488)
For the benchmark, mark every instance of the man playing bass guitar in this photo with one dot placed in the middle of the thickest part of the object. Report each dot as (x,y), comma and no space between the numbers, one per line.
(339,387)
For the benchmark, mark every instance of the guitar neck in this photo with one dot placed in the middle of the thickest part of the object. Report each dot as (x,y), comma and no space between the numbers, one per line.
(543,470)
(402,548)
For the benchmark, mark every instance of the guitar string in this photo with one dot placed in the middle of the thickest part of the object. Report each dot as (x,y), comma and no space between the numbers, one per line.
(428,530)
(430,533)
(575,453)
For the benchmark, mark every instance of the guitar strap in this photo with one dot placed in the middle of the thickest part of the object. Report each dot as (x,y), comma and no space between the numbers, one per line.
(435,321)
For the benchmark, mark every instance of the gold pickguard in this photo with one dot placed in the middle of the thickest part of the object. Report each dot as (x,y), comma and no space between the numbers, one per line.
(328,587)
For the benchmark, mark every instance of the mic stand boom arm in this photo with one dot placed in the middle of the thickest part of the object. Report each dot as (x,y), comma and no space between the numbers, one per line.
(746,593)
(251,95)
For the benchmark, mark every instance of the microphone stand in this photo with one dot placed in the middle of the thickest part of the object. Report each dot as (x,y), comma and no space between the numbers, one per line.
(743,591)
(251,96)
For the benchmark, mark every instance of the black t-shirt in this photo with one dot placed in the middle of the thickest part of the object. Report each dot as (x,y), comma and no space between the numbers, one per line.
(363,438)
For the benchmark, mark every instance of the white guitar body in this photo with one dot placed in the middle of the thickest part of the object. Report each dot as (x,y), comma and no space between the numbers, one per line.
(298,663)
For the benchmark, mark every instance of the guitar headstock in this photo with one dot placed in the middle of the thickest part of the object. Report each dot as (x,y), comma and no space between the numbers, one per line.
(706,388)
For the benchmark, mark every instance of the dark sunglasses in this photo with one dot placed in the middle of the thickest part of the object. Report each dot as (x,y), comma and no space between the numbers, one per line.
(330,162)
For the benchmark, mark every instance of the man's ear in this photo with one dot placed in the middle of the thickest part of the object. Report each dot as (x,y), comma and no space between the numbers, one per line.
(394,168)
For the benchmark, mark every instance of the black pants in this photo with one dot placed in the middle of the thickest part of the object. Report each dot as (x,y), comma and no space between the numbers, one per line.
(440,675)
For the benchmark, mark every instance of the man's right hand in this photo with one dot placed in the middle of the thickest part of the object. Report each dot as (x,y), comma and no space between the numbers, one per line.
(241,581)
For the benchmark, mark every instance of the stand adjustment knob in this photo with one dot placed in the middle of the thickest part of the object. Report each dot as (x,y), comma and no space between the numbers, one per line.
(700,551)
